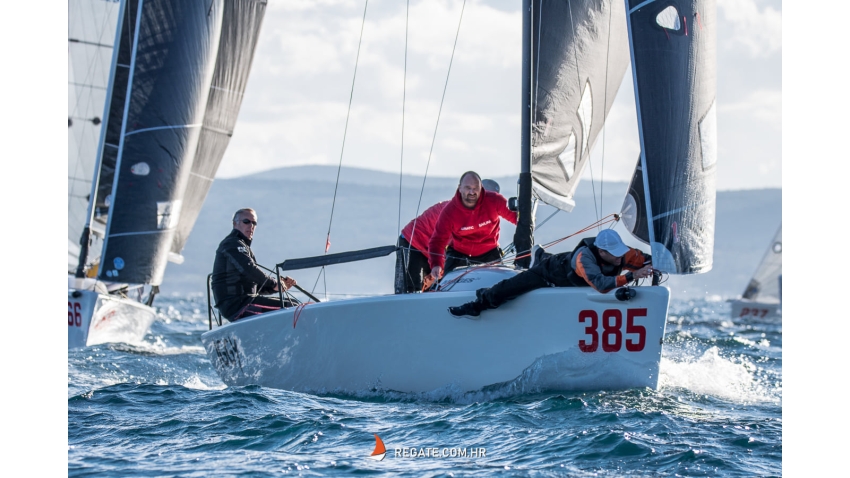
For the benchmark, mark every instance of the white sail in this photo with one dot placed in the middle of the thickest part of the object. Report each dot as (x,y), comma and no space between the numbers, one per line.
(765,286)
(91,33)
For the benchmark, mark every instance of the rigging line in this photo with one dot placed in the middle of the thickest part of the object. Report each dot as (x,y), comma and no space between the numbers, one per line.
(403,99)
(434,138)
(345,131)
(605,111)
(583,139)
(537,68)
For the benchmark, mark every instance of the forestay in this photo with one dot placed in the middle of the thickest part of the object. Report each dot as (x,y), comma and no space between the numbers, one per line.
(671,199)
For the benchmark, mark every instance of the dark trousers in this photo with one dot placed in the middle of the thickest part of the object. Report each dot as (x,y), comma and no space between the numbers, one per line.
(551,271)
(259,305)
(455,259)
(411,267)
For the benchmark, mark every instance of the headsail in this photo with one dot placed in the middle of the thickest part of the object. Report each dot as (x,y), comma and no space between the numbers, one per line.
(766,282)
(671,201)
(239,32)
(91,34)
(172,53)
(580,55)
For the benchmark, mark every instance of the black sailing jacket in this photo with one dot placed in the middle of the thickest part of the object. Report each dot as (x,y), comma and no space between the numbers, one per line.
(236,277)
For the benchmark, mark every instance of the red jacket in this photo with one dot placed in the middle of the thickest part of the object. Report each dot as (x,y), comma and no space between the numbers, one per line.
(424,227)
(471,231)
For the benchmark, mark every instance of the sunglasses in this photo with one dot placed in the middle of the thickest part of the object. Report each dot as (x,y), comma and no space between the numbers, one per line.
(248,221)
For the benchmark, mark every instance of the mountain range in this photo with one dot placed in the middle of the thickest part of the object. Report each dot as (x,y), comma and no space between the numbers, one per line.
(296,210)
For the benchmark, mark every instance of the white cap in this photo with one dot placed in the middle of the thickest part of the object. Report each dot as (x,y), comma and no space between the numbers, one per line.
(610,241)
(490,185)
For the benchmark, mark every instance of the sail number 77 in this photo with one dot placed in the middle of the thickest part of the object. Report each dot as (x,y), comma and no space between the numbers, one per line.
(612,330)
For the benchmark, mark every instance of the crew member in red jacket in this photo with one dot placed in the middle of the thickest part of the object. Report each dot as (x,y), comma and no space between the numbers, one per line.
(411,264)
(469,226)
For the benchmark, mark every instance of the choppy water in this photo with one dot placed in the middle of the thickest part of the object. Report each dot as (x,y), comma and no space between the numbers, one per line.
(158,408)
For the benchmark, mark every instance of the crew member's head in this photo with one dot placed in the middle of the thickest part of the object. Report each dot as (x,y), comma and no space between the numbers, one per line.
(469,188)
(611,247)
(244,221)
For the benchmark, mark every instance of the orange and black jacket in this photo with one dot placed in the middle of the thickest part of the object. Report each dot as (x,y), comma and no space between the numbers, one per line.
(588,268)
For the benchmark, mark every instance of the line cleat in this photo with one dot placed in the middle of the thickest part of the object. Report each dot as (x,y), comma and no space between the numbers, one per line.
(466,310)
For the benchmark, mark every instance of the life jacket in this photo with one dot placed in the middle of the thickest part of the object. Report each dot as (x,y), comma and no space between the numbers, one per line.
(606,268)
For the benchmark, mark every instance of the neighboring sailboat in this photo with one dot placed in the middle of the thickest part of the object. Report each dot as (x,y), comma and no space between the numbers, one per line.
(176,78)
(551,338)
(762,299)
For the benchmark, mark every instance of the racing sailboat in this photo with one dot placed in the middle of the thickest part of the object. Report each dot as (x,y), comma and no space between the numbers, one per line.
(574,57)
(155,92)
(762,299)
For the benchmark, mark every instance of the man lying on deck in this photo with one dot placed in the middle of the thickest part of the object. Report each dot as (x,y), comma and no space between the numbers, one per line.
(596,262)
(237,280)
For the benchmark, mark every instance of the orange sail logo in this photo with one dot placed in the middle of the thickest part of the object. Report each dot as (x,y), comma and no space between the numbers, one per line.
(380,450)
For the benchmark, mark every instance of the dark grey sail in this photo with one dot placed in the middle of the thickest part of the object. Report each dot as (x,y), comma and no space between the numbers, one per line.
(575,55)
(580,55)
(671,201)
(239,32)
(172,53)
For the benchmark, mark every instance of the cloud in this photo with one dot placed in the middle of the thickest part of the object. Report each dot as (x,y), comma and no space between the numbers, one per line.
(758,31)
(295,106)
(763,105)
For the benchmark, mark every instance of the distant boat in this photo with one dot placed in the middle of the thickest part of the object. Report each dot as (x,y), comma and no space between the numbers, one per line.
(762,298)
(154,91)
(575,55)
(380,451)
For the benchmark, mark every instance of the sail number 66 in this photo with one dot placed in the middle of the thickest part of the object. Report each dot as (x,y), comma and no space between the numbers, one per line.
(612,330)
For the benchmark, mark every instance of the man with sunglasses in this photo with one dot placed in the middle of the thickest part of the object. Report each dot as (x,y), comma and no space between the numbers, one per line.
(237,280)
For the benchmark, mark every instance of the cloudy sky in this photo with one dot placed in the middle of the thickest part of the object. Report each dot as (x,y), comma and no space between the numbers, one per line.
(295,106)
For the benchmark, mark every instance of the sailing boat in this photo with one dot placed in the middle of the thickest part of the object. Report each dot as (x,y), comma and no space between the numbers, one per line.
(574,55)
(175,83)
(762,299)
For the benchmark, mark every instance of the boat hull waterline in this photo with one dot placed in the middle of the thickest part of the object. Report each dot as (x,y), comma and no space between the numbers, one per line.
(95,318)
(555,338)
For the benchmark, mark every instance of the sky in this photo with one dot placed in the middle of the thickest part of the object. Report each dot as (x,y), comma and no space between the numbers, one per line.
(296,102)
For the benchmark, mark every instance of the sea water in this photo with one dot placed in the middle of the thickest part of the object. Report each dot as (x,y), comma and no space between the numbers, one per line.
(158,408)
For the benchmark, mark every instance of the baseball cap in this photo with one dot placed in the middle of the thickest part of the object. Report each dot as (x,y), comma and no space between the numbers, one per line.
(610,241)
(490,185)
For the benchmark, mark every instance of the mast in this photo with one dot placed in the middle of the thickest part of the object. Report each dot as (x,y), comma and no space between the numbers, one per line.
(524,234)
(86,235)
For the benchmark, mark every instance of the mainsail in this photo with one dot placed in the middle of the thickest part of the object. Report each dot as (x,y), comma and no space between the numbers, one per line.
(580,55)
(91,33)
(574,57)
(766,282)
(239,32)
(671,200)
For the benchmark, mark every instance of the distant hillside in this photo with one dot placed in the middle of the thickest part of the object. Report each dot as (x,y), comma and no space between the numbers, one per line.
(294,208)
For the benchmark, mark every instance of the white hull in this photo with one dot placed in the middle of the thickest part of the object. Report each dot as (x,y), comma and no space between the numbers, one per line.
(95,318)
(410,343)
(751,309)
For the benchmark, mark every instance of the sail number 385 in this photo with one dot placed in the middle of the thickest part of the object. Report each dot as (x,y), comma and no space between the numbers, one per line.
(611,332)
